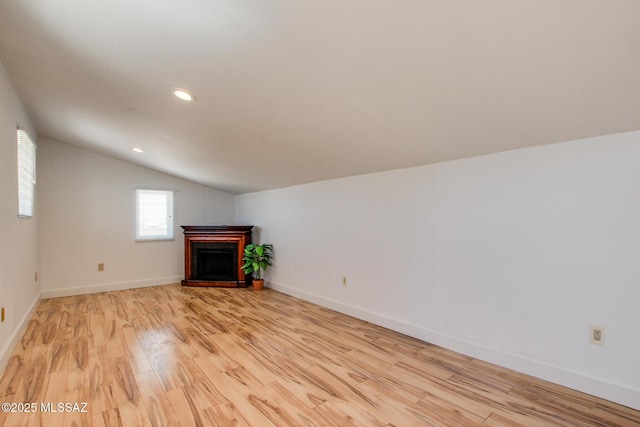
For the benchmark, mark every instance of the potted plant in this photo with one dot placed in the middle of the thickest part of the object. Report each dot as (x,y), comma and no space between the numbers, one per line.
(257,258)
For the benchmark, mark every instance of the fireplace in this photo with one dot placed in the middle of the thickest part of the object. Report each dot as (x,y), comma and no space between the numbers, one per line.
(213,255)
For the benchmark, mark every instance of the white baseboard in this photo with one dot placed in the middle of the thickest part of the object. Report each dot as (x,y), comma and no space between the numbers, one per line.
(106,287)
(5,352)
(620,393)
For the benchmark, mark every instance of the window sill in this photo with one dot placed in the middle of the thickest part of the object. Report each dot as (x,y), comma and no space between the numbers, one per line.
(156,239)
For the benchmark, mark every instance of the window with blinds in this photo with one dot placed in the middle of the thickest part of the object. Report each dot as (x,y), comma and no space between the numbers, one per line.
(26,175)
(154,212)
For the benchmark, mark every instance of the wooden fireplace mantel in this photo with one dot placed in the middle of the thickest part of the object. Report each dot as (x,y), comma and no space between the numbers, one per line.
(239,235)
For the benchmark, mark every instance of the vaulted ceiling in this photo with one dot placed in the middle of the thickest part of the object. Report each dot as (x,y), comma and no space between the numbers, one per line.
(295,91)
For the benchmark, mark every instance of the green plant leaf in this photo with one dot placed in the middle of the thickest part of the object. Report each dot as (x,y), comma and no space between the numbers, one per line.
(257,258)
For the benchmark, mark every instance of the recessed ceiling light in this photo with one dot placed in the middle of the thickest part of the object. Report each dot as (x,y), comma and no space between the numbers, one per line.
(138,150)
(183,94)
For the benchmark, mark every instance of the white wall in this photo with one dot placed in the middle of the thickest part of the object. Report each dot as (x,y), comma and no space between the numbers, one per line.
(19,292)
(506,257)
(87,216)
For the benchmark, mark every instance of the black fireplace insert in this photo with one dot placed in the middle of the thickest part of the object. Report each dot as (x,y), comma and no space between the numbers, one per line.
(212,261)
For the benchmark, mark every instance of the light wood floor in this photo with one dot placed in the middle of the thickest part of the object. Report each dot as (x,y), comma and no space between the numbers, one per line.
(173,356)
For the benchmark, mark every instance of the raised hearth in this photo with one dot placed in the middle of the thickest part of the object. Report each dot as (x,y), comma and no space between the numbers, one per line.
(213,255)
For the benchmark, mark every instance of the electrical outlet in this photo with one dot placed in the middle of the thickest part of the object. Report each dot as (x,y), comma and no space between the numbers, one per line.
(2,314)
(101,266)
(596,335)
(344,281)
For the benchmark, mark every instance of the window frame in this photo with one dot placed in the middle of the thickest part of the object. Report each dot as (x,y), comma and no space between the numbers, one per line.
(169,216)
(26,173)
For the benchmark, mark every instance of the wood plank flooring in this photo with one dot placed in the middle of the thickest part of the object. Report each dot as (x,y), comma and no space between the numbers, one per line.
(174,356)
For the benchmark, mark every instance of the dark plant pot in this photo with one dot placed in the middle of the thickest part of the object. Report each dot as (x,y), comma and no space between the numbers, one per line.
(258,284)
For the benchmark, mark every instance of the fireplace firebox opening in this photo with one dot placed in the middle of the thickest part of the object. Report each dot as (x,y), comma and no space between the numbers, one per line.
(214,261)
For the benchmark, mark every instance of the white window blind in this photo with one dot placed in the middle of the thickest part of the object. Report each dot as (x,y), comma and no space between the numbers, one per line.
(26,174)
(154,214)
